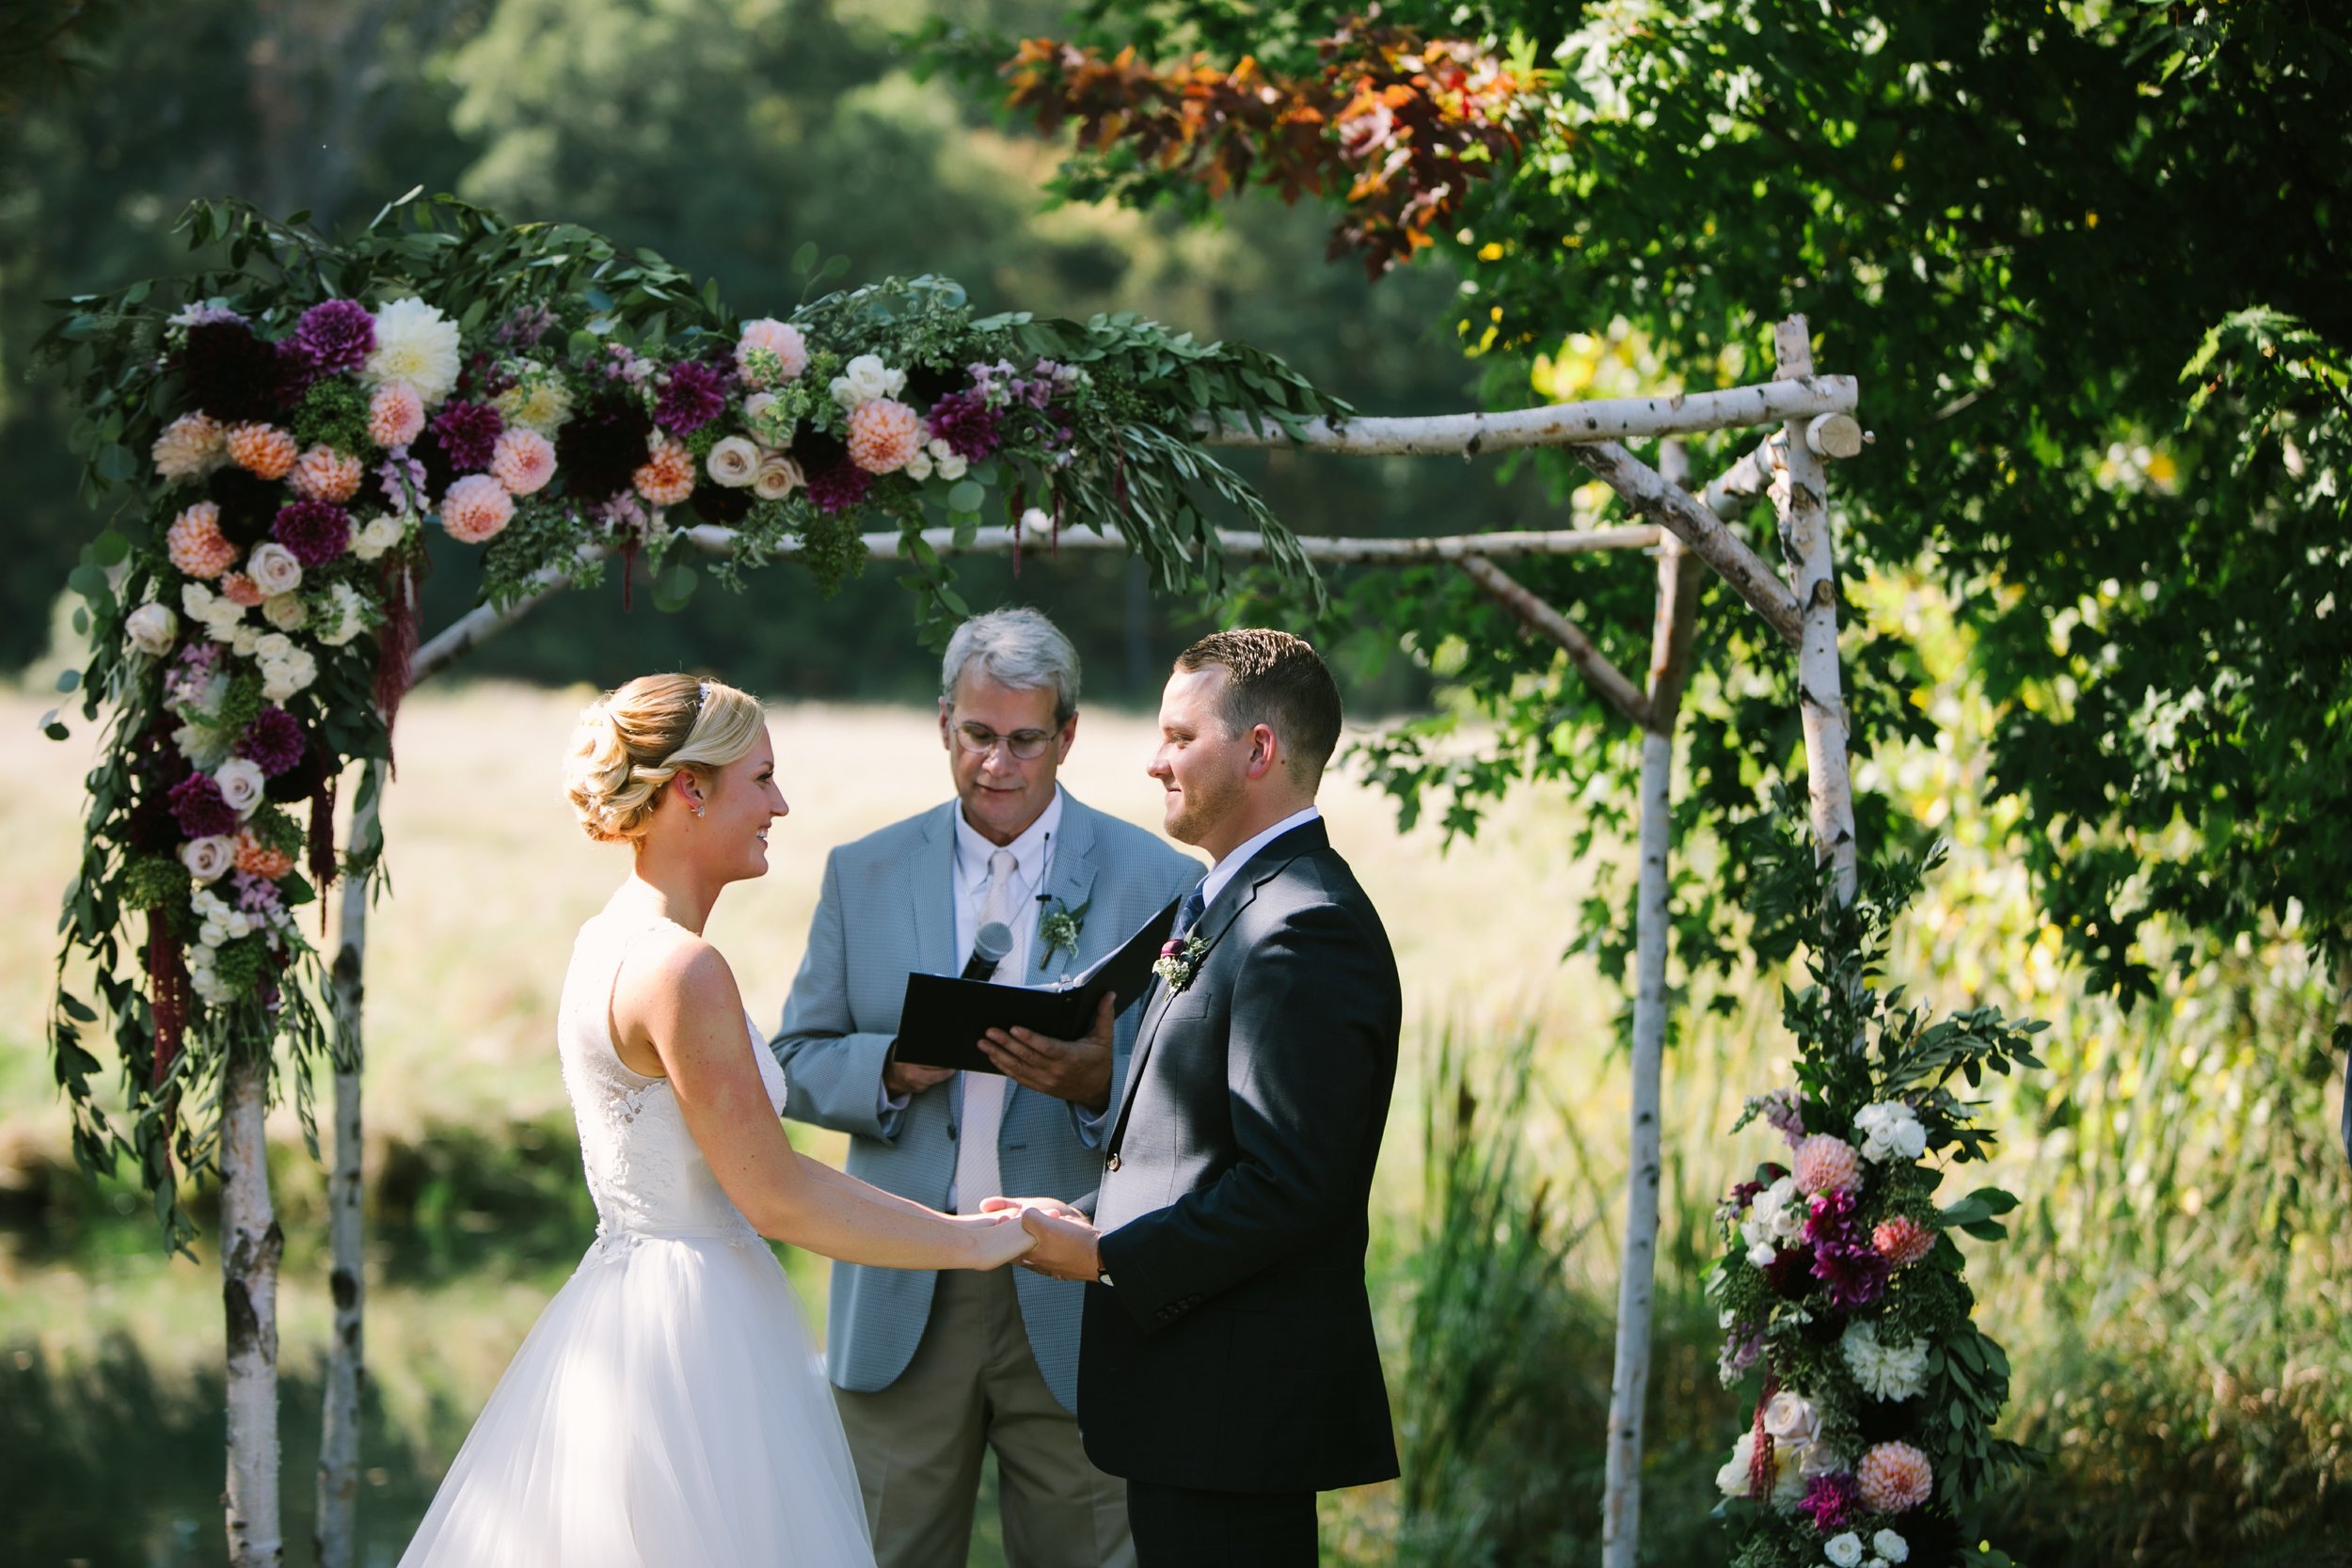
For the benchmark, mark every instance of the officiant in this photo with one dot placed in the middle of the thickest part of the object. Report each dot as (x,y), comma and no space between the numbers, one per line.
(931,1370)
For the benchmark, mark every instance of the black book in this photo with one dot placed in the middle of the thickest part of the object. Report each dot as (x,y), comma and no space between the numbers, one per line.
(943,1016)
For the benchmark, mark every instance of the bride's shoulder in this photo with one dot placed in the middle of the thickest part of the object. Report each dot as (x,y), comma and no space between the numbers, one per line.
(669,962)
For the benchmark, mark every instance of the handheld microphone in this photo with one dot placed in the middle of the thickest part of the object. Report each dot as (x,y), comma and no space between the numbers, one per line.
(990,944)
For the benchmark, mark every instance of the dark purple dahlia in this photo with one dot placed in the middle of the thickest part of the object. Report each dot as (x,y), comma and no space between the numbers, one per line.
(970,427)
(231,374)
(1833,1499)
(296,369)
(722,504)
(838,487)
(274,740)
(338,335)
(1854,1276)
(694,395)
(470,433)
(316,531)
(599,450)
(249,504)
(196,801)
(1789,1273)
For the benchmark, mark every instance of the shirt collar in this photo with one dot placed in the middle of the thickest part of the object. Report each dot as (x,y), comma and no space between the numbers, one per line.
(1028,851)
(1226,869)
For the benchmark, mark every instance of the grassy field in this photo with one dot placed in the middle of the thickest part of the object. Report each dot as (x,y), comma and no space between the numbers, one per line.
(2173,1301)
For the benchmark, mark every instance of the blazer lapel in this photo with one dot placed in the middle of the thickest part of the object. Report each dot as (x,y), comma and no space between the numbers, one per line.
(1069,883)
(932,890)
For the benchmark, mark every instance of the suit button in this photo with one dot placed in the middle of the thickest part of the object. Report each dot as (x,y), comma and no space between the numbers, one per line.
(1112,1163)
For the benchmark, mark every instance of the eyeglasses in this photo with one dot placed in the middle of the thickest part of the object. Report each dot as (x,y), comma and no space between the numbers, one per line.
(1027,745)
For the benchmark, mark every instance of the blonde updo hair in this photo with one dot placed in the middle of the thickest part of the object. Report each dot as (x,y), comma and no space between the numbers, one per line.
(636,738)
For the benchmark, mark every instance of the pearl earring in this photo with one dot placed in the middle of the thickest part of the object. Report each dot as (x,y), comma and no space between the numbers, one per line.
(698,811)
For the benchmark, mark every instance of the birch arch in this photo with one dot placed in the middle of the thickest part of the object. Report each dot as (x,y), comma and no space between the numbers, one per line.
(1808,420)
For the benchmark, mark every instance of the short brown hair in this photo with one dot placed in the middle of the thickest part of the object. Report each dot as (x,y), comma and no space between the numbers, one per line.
(1277,680)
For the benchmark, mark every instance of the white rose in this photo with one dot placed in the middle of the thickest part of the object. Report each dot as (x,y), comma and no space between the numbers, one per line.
(868,378)
(286,612)
(1844,1550)
(758,403)
(918,468)
(211,933)
(154,628)
(939,447)
(240,924)
(240,637)
(349,613)
(241,782)
(843,392)
(778,477)
(734,461)
(381,533)
(208,859)
(1789,1418)
(1762,1254)
(274,569)
(951,466)
(1893,1547)
(1036,519)
(1732,1480)
(282,678)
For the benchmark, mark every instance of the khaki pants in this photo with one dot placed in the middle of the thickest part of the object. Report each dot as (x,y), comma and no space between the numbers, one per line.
(974,1385)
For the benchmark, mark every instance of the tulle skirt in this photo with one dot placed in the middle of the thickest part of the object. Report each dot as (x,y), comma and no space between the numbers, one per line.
(668,1410)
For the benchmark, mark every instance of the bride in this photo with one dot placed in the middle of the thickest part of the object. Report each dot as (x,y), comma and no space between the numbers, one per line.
(667,1409)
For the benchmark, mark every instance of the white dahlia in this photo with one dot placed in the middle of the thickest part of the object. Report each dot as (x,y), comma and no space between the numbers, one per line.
(415,343)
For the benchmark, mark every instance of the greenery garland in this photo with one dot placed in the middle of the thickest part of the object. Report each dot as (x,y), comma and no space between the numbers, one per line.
(279,432)
(1839,1289)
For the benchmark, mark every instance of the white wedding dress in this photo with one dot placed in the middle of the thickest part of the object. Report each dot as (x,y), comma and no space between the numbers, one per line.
(669,1409)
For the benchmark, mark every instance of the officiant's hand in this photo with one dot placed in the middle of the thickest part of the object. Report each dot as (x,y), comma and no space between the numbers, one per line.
(907,1078)
(1065,1237)
(1076,1071)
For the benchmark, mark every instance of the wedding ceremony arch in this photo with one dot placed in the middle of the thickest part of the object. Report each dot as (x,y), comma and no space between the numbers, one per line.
(284,430)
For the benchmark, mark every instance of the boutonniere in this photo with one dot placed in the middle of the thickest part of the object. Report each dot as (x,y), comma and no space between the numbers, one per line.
(1058,931)
(1177,961)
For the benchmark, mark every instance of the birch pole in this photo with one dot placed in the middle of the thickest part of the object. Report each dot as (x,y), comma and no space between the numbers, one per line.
(1670,629)
(250,1244)
(1801,496)
(337,1536)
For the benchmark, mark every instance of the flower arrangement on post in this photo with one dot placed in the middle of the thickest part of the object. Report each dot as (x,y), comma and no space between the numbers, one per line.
(1841,1291)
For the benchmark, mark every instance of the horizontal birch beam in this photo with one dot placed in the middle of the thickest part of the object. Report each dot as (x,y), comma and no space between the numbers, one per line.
(714,540)
(1559,425)
(479,625)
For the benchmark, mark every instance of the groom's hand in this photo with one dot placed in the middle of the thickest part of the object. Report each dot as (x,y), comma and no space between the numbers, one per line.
(1065,1238)
(1077,1071)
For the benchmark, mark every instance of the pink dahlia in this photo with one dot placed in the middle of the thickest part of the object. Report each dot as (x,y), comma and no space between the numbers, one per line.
(883,435)
(770,352)
(190,446)
(237,588)
(324,474)
(476,508)
(196,543)
(395,414)
(523,461)
(692,396)
(256,859)
(666,477)
(468,433)
(1894,1476)
(263,450)
(1903,1239)
(315,531)
(336,335)
(1827,1164)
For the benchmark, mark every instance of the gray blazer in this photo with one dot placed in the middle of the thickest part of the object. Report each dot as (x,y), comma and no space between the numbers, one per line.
(886,911)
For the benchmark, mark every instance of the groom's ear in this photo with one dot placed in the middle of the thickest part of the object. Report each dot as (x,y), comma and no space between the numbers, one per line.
(1265,752)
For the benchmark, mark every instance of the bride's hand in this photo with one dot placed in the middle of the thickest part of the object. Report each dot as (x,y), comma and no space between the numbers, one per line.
(995,1239)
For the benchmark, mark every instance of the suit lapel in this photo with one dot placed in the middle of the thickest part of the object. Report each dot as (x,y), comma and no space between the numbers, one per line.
(1069,883)
(1233,897)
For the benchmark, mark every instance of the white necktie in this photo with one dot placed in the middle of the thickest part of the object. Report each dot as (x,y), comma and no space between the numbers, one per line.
(977,1176)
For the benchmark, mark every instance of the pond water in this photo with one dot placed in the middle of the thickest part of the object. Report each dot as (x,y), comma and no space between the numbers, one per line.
(111,1397)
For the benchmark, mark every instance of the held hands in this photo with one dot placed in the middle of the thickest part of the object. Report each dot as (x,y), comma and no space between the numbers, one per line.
(996,1238)
(1064,1237)
(1077,1071)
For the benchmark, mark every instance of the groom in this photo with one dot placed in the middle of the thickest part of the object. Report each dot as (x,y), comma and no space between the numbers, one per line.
(1227,1366)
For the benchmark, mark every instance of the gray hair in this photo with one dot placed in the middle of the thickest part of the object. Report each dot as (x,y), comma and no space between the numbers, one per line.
(1019,648)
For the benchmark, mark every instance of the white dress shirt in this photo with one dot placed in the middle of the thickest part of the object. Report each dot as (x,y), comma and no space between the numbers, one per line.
(1228,868)
(980,1096)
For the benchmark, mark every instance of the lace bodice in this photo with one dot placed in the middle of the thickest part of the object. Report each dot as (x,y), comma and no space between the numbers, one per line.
(645,1171)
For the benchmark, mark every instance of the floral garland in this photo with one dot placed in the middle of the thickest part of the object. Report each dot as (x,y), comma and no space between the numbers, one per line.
(1840,1287)
(293,427)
